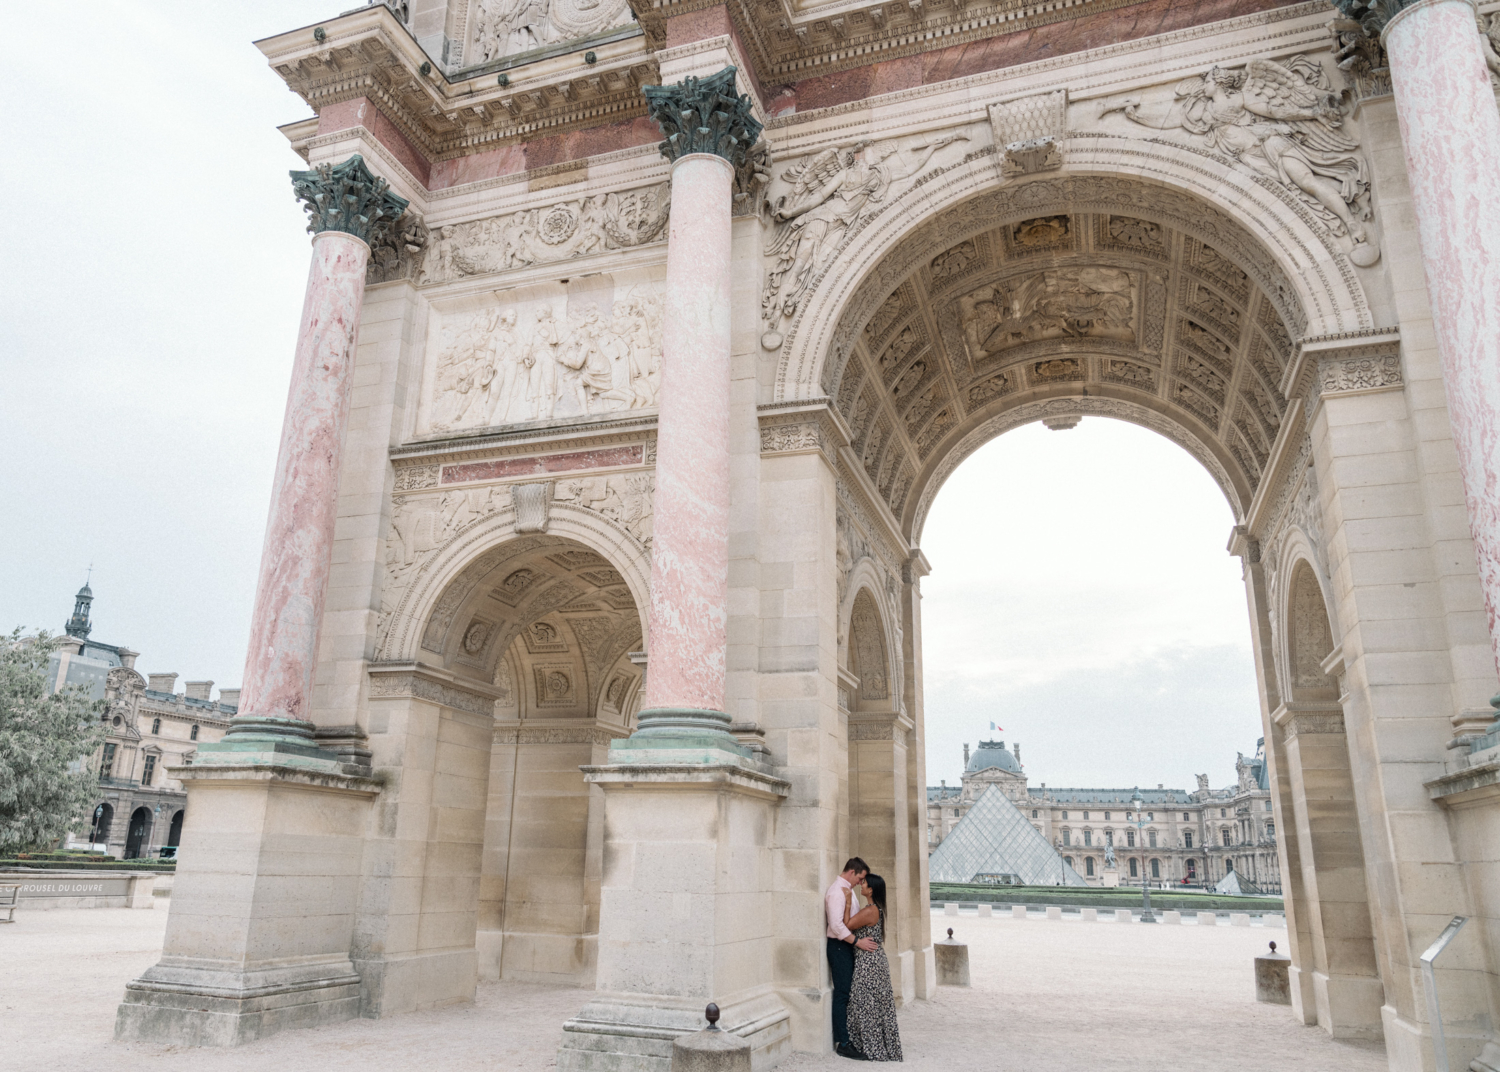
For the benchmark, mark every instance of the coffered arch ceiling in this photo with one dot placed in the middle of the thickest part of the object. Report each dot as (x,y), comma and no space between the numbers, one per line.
(1078,310)
(548,621)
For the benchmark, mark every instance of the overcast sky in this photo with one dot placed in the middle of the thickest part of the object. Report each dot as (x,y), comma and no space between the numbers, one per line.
(1080,596)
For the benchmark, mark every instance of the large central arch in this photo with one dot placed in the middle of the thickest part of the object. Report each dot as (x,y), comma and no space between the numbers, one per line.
(1220,296)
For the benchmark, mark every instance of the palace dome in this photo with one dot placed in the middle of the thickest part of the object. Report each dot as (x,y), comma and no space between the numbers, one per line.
(992,754)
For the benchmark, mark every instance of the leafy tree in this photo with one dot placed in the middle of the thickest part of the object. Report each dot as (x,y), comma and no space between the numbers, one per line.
(46,742)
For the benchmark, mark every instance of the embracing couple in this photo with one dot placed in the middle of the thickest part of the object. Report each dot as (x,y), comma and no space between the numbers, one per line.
(864,1009)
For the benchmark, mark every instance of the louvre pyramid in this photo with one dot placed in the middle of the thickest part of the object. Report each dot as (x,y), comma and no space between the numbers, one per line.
(994,842)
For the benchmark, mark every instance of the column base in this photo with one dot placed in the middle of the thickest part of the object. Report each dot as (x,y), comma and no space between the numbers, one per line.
(254,740)
(414,982)
(202,1007)
(1304,1001)
(1349,1005)
(681,735)
(624,1034)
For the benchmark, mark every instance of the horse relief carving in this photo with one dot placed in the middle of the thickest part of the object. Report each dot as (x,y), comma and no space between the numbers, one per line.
(1285,123)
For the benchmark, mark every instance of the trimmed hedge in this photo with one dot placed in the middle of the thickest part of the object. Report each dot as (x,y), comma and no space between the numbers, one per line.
(92,863)
(1099,897)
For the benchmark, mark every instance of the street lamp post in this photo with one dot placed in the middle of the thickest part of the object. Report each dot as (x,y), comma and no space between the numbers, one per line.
(1140,837)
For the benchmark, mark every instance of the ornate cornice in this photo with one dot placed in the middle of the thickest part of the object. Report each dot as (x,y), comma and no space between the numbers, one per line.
(348,198)
(803,427)
(704,115)
(419,682)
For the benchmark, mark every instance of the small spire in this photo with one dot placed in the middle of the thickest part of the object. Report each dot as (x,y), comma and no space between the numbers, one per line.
(78,625)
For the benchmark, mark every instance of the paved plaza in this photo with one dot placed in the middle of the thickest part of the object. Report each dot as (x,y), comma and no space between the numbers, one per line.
(1048,996)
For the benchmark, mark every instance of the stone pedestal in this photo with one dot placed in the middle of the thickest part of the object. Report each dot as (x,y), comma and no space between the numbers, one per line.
(1111,877)
(1272,979)
(263,908)
(952,962)
(686,909)
(711,1050)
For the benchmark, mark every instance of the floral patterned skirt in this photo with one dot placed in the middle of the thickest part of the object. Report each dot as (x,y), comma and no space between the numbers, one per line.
(872,1006)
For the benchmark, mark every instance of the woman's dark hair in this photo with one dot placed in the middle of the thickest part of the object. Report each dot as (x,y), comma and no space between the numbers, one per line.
(877,892)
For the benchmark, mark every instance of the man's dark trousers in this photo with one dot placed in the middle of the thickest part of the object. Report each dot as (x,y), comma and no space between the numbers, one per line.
(841,967)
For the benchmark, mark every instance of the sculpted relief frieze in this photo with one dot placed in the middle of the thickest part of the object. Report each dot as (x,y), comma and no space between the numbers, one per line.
(1063,303)
(1284,122)
(501,28)
(544,352)
(578,228)
(814,205)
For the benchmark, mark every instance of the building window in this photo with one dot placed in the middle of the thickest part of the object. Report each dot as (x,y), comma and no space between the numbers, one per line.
(193,735)
(1224,835)
(107,765)
(1187,840)
(156,725)
(1151,838)
(1192,866)
(1186,817)
(1106,817)
(1270,828)
(1109,835)
(1035,814)
(1067,837)
(1223,814)
(1130,838)
(1156,869)
(1068,860)
(1088,837)
(1088,864)
(1085,815)
(1135,871)
(1065,815)
(1151,817)
(150,771)
(1268,805)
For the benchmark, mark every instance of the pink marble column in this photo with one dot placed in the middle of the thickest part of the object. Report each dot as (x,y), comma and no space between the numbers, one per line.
(690,551)
(295,560)
(1451,132)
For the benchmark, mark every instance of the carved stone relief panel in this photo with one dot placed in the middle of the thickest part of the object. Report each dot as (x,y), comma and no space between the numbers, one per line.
(1061,303)
(543,352)
(502,28)
(1283,122)
(815,203)
(568,229)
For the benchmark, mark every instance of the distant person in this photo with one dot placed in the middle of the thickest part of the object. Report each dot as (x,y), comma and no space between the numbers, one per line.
(873,1031)
(841,946)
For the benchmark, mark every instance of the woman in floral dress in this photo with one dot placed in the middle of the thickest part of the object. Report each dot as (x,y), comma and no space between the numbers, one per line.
(872,1006)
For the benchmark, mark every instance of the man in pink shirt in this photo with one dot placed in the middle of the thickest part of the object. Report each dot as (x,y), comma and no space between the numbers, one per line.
(841,946)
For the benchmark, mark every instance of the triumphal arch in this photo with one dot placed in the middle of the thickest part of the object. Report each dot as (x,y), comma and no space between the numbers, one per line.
(638,340)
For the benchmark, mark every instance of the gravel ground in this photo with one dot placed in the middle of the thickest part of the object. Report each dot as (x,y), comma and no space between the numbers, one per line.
(1047,997)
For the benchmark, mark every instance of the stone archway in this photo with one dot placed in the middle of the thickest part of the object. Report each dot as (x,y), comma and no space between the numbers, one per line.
(518,656)
(966,311)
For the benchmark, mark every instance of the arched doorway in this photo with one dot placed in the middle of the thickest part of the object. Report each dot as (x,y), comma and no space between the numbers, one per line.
(138,835)
(174,831)
(532,654)
(967,312)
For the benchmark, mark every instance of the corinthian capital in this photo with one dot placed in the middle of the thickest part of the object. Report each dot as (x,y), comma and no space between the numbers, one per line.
(704,115)
(1371,15)
(346,197)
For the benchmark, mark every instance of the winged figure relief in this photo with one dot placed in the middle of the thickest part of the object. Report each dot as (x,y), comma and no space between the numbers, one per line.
(1284,121)
(831,192)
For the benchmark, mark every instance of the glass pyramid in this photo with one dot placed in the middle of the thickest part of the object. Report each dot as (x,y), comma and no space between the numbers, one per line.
(995,844)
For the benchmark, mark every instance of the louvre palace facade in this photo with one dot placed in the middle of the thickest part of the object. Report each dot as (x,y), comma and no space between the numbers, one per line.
(1192,837)
(638,340)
